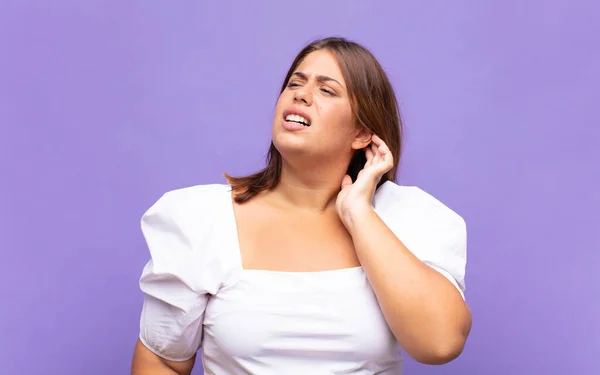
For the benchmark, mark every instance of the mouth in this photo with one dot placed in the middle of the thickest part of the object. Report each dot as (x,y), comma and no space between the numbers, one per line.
(297,117)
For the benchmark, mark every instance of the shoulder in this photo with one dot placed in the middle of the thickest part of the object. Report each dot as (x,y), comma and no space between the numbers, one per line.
(189,212)
(427,227)
(189,198)
(185,266)
(410,203)
(183,232)
(188,202)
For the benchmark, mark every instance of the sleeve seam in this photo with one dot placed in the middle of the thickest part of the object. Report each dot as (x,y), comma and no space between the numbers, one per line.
(168,358)
(450,278)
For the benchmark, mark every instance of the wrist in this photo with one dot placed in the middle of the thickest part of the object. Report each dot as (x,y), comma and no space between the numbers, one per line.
(353,216)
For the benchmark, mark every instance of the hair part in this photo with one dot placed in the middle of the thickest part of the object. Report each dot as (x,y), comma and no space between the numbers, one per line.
(373,103)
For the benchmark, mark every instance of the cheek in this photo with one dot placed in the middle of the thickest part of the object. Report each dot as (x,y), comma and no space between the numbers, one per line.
(279,104)
(279,107)
(338,129)
(340,120)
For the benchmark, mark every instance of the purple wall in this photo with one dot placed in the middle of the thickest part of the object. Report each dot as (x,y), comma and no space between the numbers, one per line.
(105,105)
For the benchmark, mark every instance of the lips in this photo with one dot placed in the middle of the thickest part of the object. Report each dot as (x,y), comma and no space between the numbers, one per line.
(296,116)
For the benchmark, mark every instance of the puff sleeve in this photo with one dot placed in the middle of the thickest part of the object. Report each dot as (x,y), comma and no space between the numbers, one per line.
(179,276)
(429,229)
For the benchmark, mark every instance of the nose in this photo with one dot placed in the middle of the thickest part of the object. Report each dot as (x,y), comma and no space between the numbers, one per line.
(304,95)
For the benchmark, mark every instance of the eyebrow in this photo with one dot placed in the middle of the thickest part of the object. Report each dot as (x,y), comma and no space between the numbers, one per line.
(320,78)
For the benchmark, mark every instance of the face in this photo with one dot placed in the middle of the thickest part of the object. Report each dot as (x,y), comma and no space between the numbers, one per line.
(313,116)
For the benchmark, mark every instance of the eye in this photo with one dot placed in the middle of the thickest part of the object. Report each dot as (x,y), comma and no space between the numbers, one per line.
(293,84)
(327,91)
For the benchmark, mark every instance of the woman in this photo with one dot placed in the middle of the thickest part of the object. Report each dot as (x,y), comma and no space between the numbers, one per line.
(318,264)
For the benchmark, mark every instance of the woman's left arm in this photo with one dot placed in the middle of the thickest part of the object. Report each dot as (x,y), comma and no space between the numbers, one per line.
(425,311)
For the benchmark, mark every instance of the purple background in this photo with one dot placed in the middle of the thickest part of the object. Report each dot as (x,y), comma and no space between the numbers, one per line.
(105,105)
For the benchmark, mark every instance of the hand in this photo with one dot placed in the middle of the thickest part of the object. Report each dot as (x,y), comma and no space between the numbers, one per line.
(356,197)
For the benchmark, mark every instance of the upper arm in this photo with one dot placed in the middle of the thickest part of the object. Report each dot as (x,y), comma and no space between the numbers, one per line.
(146,362)
(429,229)
(176,281)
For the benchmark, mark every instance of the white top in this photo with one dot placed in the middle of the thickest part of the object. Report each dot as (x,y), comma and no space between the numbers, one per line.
(266,322)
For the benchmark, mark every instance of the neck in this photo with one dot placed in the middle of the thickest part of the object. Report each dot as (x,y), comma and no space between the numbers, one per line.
(313,189)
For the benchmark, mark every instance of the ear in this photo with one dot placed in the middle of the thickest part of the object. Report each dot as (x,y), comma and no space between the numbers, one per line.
(362,138)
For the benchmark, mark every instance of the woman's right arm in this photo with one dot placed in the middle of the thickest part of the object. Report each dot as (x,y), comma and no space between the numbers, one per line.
(147,363)
(175,283)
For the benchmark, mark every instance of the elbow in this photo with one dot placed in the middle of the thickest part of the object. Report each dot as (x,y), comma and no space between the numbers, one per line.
(440,351)
(440,354)
(446,347)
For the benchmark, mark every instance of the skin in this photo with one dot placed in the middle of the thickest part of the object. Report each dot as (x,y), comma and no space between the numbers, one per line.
(326,222)
(147,363)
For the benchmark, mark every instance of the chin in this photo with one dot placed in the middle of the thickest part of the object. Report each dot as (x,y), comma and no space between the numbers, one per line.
(287,144)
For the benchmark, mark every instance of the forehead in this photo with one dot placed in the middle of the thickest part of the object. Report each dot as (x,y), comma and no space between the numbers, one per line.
(321,63)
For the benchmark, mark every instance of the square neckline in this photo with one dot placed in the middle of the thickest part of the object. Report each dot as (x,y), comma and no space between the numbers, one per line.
(232,222)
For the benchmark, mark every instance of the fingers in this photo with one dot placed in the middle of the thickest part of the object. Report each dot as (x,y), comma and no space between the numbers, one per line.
(382,156)
(376,154)
(369,155)
(346,181)
(376,140)
(380,144)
